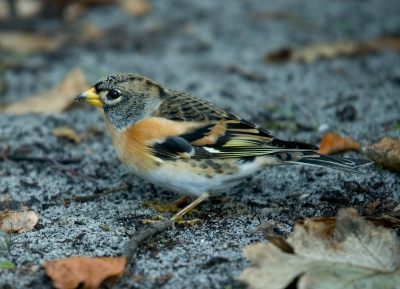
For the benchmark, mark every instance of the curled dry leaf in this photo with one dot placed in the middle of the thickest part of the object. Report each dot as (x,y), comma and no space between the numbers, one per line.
(22,42)
(313,52)
(361,256)
(325,226)
(67,132)
(55,100)
(386,152)
(332,143)
(12,222)
(91,272)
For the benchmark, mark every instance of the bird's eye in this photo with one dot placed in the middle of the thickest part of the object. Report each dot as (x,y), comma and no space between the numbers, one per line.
(113,94)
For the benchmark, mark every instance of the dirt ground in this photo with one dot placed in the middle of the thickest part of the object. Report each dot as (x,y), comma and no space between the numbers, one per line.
(215,50)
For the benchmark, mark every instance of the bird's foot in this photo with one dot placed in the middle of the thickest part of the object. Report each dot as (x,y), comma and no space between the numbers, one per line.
(171,207)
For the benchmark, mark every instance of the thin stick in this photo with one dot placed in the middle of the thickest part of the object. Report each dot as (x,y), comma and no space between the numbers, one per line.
(42,160)
(65,169)
(125,186)
(5,155)
(142,278)
(141,236)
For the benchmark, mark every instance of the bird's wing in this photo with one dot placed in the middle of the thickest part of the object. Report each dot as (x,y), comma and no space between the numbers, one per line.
(221,134)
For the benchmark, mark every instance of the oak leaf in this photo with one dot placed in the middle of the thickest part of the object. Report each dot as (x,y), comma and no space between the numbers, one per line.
(361,256)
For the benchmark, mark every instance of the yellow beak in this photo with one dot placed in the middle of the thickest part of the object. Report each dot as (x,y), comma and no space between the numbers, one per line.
(90,96)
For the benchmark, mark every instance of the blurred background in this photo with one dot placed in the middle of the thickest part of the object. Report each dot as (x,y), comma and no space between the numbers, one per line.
(257,51)
(299,68)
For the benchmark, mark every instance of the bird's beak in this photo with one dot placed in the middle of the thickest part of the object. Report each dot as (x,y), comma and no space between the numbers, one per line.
(90,96)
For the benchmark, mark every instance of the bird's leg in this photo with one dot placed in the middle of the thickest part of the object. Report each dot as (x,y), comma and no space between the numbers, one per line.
(171,207)
(177,217)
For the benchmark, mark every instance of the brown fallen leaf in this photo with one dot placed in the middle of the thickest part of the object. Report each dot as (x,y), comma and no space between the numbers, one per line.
(67,132)
(325,226)
(22,42)
(91,272)
(55,100)
(313,52)
(137,8)
(332,143)
(18,222)
(385,153)
(361,256)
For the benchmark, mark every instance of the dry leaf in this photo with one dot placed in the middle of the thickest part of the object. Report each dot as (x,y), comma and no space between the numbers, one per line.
(313,52)
(91,272)
(386,152)
(361,256)
(137,8)
(12,222)
(55,100)
(67,132)
(332,143)
(22,42)
(325,226)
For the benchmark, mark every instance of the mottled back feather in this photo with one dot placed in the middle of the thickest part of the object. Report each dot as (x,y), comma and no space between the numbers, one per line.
(223,134)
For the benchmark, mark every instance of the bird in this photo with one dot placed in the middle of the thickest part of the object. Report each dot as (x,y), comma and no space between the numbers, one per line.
(187,145)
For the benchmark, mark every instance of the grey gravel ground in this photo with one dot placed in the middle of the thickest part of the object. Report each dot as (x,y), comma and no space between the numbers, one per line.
(192,46)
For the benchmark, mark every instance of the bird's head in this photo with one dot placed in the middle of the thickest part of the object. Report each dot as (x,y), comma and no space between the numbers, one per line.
(125,98)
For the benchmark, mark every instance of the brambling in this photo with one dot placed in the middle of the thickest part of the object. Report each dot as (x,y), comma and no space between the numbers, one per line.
(186,144)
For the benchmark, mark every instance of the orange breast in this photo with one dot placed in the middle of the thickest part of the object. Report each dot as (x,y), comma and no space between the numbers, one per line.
(132,144)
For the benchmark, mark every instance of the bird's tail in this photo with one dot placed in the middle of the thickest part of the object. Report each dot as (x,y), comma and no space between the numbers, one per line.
(315,159)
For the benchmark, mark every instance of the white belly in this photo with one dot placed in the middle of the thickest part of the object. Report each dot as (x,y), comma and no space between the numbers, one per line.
(182,178)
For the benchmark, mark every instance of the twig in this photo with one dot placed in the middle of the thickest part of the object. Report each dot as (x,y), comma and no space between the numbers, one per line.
(42,160)
(125,186)
(244,73)
(142,278)
(65,169)
(139,238)
(6,150)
